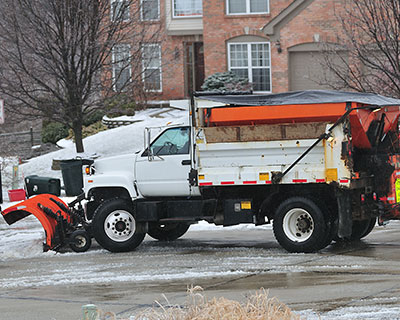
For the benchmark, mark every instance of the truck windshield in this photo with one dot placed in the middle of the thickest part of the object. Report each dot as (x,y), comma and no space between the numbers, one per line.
(172,141)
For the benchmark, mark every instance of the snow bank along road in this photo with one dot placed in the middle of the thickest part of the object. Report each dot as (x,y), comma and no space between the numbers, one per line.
(357,281)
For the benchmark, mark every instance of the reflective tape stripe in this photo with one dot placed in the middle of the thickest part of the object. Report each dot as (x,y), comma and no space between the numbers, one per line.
(320,180)
(227,182)
(344,181)
(268,182)
(299,180)
(205,184)
(249,182)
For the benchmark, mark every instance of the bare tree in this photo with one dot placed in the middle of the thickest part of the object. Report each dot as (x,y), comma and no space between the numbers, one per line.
(366,57)
(60,58)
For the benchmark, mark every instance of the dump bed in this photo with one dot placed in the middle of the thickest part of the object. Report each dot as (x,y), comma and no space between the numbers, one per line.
(298,137)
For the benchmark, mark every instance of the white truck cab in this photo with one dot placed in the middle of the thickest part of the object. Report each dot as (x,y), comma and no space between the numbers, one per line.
(163,168)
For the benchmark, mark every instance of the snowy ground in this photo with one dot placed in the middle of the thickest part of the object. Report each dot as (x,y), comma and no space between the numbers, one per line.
(227,257)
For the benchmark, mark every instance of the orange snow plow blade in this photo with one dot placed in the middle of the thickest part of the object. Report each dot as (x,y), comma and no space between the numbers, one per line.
(50,210)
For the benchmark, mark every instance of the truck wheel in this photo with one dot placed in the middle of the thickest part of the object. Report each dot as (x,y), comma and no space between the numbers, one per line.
(359,230)
(362,228)
(300,225)
(80,241)
(371,227)
(167,232)
(115,227)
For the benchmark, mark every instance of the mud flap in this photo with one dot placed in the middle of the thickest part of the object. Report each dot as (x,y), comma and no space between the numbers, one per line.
(345,215)
(50,210)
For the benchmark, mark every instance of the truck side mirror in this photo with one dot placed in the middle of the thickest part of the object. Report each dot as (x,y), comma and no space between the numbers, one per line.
(148,150)
(150,156)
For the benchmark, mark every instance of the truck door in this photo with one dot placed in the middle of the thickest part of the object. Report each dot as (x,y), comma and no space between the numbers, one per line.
(165,170)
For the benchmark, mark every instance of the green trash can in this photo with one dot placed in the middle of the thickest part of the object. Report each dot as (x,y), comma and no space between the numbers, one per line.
(39,185)
(71,170)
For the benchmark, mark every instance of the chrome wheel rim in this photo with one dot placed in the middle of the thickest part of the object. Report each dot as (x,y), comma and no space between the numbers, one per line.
(120,225)
(80,241)
(298,225)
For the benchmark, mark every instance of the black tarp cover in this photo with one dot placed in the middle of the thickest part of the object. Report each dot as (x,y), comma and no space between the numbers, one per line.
(300,97)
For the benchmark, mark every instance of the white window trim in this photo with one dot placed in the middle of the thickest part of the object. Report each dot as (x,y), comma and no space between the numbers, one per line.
(250,67)
(247,9)
(183,17)
(112,11)
(113,62)
(158,12)
(144,68)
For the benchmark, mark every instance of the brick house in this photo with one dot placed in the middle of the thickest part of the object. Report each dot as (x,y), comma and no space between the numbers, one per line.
(275,43)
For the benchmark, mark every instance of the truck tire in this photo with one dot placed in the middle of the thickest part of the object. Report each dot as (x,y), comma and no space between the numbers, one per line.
(167,232)
(300,225)
(80,241)
(115,227)
(359,230)
(371,227)
(362,228)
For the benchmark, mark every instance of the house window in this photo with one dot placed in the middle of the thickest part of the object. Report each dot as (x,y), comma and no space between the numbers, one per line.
(151,62)
(188,8)
(120,10)
(252,61)
(150,10)
(121,67)
(247,6)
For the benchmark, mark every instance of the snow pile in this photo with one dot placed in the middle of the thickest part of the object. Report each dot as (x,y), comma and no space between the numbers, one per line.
(6,167)
(205,226)
(21,240)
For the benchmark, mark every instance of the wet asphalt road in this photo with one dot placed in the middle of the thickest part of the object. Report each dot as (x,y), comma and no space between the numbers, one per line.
(229,263)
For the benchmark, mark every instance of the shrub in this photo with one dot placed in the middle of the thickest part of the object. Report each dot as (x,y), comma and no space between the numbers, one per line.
(120,105)
(257,307)
(93,117)
(53,131)
(226,82)
(89,130)
(93,129)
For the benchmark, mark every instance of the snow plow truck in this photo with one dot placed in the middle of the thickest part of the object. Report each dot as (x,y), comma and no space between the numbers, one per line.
(321,165)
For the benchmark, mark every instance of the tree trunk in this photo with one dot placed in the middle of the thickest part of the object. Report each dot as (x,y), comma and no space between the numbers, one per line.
(77,128)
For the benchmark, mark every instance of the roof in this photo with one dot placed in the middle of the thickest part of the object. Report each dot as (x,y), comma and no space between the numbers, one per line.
(298,98)
(291,11)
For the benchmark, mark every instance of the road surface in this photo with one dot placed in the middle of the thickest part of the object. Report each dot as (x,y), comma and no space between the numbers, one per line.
(344,281)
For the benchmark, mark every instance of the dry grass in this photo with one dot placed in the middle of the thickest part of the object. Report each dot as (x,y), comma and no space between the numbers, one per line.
(257,307)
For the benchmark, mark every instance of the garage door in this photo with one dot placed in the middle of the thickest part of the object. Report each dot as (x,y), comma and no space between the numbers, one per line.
(306,71)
